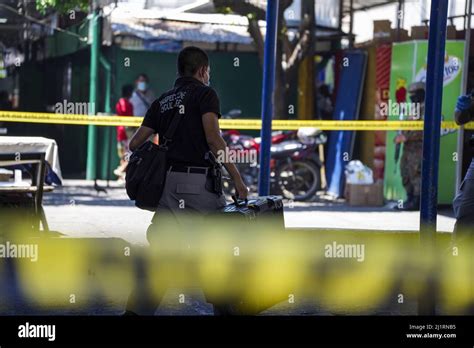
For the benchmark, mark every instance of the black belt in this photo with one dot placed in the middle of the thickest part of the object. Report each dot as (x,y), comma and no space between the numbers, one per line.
(186,169)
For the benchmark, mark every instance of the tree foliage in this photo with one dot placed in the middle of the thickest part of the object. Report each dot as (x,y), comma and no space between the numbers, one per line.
(289,53)
(62,6)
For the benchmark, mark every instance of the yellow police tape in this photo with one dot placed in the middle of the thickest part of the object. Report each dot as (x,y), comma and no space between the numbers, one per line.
(52,118)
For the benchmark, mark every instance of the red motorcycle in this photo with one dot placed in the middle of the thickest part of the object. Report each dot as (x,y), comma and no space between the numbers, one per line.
(295,165)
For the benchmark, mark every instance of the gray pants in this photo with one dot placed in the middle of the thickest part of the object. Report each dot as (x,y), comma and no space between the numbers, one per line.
(189,193)
(187,198)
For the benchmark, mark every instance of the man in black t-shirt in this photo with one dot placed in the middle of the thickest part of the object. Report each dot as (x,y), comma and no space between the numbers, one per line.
(197,133)
(189,144)
(188,187)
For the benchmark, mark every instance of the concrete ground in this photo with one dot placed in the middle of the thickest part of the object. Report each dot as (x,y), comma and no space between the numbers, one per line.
(76,209)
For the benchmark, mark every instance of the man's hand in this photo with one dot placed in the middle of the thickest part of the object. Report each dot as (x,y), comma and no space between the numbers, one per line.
(241,189)
(463,113)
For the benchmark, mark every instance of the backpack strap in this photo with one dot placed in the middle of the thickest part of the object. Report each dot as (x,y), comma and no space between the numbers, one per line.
(177,117)
(144,101)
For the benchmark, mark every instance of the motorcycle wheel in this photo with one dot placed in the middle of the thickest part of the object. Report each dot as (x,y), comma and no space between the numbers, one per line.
(298,180)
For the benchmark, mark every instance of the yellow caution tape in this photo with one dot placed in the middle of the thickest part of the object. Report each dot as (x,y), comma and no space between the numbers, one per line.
(255,124)
(52,118)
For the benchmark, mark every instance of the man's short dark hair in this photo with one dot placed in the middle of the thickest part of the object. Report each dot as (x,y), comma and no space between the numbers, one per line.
(190,60)
(127,91)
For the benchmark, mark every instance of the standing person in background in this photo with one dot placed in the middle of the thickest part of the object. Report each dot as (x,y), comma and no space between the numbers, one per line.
(410,163)
(123,108)
(142,99)
(143,96)
(463,203)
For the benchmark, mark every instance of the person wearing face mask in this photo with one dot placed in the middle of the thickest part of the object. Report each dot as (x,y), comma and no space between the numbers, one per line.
(410,163)
(142,97)
(193,187)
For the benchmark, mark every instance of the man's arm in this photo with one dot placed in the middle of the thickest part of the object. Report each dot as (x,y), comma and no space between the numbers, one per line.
(141,135)
(464,110)
(217,144)
(463,117)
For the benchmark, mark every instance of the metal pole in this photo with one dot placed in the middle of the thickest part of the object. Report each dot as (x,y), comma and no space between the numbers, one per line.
(465,14)
(91,169)
(431,137)
(267,96)
(341,15)
(306,71)
(399,19)
(467,44)
(351,24)
(108,111)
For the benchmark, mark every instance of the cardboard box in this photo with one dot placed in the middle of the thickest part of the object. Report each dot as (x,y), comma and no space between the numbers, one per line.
(421,32)
(364,195)
(383,32)
(382,26)
(382,29)
(451,32)
(403,35)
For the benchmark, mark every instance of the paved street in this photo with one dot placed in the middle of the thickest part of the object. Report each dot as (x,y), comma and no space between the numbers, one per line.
(77,210)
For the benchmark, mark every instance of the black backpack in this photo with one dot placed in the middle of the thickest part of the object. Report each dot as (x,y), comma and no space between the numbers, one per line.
(147,167)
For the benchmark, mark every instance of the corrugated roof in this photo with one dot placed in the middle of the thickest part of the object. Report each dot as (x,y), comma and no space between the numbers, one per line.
(158,29)
(195,27)
(152,24)
(360,5)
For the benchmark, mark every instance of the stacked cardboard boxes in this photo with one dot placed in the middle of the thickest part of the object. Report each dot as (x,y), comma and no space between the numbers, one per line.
(420,32)
(365,194)
(383,32)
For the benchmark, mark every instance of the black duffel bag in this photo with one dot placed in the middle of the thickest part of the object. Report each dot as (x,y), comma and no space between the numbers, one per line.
(146,174)
(146,170)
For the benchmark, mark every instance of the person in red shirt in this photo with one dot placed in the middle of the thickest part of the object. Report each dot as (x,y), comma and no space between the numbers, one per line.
(123,108)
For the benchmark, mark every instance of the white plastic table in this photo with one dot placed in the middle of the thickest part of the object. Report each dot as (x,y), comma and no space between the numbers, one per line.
(32,145)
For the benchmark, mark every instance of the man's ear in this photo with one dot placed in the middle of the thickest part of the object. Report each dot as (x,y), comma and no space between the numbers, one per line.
(201,71)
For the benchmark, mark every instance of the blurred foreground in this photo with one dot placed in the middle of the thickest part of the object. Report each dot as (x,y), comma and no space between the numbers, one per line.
(253,265)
